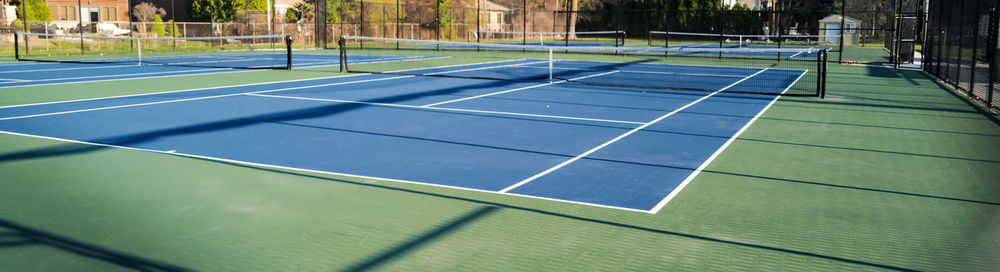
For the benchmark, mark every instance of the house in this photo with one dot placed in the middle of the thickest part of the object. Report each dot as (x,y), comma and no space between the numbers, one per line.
(830,27)
(493,16)
(91,11)
(8,12)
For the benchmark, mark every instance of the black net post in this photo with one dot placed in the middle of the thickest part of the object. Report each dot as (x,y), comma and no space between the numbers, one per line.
(819,75)
(826,66)
(288,50)
(17,47)
(343,54)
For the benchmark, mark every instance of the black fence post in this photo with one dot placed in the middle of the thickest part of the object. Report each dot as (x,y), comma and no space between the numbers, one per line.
(361,25)
(397,21)
(975,53)
(991,52)
(843,15)
(958,60)
(437,23)
(319,25)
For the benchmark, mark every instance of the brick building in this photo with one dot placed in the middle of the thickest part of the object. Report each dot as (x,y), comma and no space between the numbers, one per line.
(88,10)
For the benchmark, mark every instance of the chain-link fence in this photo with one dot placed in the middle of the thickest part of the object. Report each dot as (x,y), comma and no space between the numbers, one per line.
(961,47)
(856,31)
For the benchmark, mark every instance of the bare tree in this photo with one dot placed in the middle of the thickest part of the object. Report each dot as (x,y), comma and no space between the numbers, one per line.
(145,11)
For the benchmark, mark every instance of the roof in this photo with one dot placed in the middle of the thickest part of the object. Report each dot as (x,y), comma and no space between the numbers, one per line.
(492,6)
(836,19)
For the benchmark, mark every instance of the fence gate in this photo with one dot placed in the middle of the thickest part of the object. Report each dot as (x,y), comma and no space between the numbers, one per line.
(908,23)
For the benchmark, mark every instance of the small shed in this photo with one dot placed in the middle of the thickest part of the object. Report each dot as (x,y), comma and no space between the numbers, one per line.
(493,15)
(830,27)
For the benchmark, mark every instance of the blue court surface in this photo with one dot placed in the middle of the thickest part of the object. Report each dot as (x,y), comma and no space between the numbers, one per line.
(31,73)
(614,147)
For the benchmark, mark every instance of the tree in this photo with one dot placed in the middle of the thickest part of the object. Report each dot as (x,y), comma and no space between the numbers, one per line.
(304,10)
(445,17)
(221,10)
(157,26)
(38,11)
(291,15)
(145,12)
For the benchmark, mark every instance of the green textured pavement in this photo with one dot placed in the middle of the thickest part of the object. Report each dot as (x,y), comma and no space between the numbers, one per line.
(893,171)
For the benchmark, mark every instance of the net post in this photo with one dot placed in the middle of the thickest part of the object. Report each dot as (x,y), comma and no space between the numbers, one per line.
(343,54)
(288,50)
(550,64)
(819,71)
(17,47)
(826,65)
(139,49)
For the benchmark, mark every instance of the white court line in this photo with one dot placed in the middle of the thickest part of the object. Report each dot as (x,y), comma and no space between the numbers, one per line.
(223,87)
(185,73)
(641,72)
(208,97)
(704,164)
(514,90)
(626,134)
(671,64)
(449,109)
(123,77)
(197,98)
(12,80)
(318,171)
(66,69)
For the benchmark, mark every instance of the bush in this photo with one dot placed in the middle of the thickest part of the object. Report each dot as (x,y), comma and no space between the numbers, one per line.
(172,30)
(291,15)
(157,26)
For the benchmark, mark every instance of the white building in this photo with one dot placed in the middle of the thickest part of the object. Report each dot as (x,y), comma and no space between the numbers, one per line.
(753,4)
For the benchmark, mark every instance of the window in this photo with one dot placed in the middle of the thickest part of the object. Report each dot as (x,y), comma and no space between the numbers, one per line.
(851,28)
(110,13)
(67,13)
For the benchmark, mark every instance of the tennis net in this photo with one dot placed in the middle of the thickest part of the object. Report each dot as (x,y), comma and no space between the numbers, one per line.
(693,39)
(241,52)
(581,38)
(754,71)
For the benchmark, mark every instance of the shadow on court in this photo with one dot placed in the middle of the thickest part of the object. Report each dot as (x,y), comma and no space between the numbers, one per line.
(429,236)
(16,235)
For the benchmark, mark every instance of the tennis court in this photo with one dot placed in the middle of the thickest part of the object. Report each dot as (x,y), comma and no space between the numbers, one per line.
(394,148)
(567,131)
